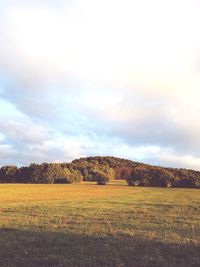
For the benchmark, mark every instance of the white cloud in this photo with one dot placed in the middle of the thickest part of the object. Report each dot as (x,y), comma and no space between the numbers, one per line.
(117,41)
(106,70)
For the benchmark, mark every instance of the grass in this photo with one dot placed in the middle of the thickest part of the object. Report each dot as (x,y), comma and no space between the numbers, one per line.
(88,225)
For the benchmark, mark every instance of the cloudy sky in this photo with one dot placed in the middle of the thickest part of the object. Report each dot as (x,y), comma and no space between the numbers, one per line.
(109,77)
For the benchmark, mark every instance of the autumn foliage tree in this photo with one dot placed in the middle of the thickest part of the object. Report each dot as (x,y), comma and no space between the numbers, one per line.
(101,177)
(151,176)
(101,170)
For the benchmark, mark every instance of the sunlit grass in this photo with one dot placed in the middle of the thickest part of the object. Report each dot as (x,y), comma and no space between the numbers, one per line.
(107,225)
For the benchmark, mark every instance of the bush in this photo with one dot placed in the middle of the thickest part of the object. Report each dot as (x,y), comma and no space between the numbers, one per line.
(186,183)
(101,178)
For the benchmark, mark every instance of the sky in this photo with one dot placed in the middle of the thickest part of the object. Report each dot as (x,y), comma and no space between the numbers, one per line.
(110,78)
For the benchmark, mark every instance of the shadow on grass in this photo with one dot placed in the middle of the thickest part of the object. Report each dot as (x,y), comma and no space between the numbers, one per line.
(53,249)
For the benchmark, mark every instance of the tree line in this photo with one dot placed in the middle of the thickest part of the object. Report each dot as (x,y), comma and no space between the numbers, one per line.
(101,170)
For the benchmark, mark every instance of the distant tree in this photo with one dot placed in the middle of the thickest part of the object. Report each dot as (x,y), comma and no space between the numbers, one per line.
(123,173)
(8,174)
(101,169)
(140,175)
(110,173)
(63,176)
(161,177)
(76,176)
(151,176)
(24,175)
(187,183)
(100,177)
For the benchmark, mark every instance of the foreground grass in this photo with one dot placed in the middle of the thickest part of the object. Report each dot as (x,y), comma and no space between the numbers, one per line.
(87,225)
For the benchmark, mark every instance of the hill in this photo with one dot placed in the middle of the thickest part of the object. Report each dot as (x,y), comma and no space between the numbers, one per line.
(110,168)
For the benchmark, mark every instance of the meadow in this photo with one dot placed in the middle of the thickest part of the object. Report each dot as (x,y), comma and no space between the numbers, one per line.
(85,225)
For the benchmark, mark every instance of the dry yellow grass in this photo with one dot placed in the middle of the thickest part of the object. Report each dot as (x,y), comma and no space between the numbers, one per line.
(90,225)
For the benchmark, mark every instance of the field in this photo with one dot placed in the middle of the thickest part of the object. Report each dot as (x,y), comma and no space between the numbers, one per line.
(85,225)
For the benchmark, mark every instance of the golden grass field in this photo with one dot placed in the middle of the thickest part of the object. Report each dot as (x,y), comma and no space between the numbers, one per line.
(88,225)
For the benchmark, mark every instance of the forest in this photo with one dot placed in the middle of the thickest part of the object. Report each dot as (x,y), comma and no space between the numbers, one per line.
(101,170)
